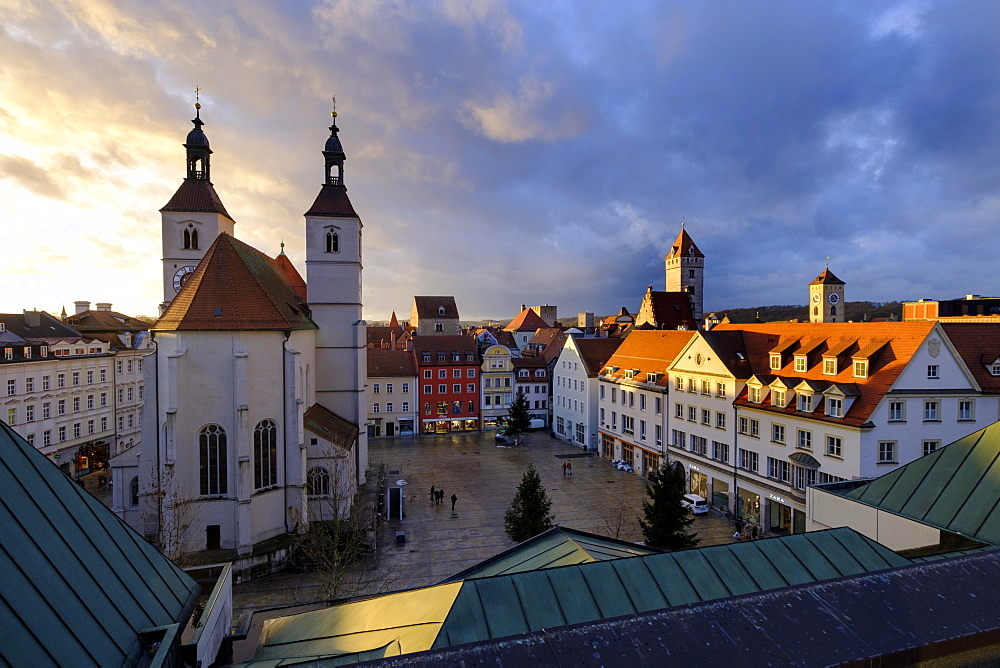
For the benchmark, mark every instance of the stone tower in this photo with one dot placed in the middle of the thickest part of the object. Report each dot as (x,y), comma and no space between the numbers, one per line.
(193,217)
(826,298)
(685,266)
(333,277)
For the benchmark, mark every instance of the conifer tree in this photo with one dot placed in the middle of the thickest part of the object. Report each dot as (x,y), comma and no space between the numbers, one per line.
(666,524)
(518,417)
(528,514)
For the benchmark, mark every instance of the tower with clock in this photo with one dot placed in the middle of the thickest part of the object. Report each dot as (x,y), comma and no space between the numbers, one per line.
(193,217)
(826,298)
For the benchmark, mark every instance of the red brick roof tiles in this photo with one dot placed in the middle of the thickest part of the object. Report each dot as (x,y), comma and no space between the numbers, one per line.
(978,344)
(389,363)
(649,352)
(196,196)
(684,246)
(332,202)
(526,321)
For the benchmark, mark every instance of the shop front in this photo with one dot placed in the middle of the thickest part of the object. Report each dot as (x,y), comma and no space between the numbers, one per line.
(720,494)
(490,422)
(405,426)
(748,505)
(699,482)
(779,514)
(449,426)
(91,457)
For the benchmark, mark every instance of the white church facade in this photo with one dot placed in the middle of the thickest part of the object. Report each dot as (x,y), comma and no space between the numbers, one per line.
(256,387)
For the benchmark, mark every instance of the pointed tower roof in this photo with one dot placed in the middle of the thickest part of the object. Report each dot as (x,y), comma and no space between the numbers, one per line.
(290,274)
(684,247)
(235,287)
(526,320)
(392,321)
(332,201)
(196,193)
(827,277)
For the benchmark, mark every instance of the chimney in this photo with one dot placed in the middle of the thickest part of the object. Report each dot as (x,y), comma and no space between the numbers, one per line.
(82,306)
(32,318)
(392,339)
(103,306)
(524,306)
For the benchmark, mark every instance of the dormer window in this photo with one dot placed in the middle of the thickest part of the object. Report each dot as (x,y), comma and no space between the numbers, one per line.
(629,374)
(652,377)
(805,403)
(800,363)
(539,373)
(27,352)
(994,368)
(860,368)
(440,310)
(754,395)
(830,367)
(835,407)
(332,242)
(775,361)
(522,373)
(427,357)
(45,351)
(3,327)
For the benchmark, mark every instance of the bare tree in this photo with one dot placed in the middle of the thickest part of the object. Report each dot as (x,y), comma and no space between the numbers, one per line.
(166,514)
(342,548)
(619,522)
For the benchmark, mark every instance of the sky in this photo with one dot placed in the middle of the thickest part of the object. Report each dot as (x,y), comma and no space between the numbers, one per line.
(512,153)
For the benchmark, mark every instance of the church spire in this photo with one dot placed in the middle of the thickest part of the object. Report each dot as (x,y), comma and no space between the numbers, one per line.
(333,152)
(197,146)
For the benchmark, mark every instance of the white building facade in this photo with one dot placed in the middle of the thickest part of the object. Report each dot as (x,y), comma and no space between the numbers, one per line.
(575,373)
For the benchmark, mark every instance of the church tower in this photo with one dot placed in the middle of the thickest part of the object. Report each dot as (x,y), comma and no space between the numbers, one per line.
(826,298)
(333,276)
(685,266)
(193,217)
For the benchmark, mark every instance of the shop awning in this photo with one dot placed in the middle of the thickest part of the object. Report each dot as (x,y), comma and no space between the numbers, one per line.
(802,459)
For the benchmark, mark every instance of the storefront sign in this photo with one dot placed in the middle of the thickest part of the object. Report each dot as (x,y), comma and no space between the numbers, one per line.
(776,498)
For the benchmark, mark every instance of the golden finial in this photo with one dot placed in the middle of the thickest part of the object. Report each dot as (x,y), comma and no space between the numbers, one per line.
(197,97)
(334,112)
(682,222)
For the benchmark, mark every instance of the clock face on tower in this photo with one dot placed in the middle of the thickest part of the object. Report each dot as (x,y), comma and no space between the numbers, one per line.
(816,298)
(181,276)
(834,298)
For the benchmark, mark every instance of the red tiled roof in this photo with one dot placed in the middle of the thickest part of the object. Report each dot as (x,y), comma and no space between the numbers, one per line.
(393,322)
(649,351)
(326,424)
(196,196)
(595,353)
(91,322)
(427,307)
(389,363)
(670,310)
(526,321)
(434,343)
(235,288)
(684,247)
(332,202)
(291,275)
(978,344)
(897,341)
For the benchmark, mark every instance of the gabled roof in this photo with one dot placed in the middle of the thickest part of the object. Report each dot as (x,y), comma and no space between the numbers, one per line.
(558,546)
(956,488)
(649,351)
(78,583)
(551,339)
(526,321)
(326,424)
(235,288)
(48,327)
(972,341)
(595,352)
(104,322)
(669,310)
(291,275)
(428,307)
(332,202)
(196,196)
(446,343)
(684,247)
(827,277)
(732,351)
(384,363)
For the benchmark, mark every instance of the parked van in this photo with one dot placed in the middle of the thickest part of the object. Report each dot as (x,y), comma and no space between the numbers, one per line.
(694,503)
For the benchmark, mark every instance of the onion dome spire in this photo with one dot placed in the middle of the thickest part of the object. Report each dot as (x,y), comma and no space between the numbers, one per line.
(198,150)
(333,153)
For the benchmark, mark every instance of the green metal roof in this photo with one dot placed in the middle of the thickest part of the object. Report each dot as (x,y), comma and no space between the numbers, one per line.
(525,602)
(956,488)
(76,583)
(559,546)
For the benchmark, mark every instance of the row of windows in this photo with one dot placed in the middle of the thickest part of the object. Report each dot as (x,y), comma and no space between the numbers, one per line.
(628,427)
(628,399)
(693,413)
(92,428)
(405,389)
(376,407)
(455,407)
(443,357)
(932,410)
(30,413)
(443,373)
(43,351)
(46,384)
(692,385)
(443,389)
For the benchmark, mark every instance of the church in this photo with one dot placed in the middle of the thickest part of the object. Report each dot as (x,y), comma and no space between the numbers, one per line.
(256,387)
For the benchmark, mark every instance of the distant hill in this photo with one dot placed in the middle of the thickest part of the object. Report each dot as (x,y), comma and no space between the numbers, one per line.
(856,311)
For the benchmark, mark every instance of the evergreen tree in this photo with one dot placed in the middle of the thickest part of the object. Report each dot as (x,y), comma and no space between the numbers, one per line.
(518,417)
(528,514)
(667,520)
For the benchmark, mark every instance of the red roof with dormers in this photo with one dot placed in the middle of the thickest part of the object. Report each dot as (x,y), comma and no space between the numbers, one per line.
(888,347)
(684,247)
(526,321)
(235,288)
(648,351)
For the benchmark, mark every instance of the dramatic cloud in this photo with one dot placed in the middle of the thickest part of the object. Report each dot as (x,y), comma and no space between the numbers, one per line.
(512,152)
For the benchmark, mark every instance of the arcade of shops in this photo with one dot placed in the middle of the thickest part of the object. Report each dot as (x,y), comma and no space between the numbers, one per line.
(88,458)
(448,426)
(386,427)
(767,508)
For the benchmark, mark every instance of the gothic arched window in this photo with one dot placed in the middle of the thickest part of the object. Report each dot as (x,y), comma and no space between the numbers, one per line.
(332,242)
(265,454)
(133,492)
(187,239)
(318,482)
(194,239)
(833,310)
(815,310)
(213,466)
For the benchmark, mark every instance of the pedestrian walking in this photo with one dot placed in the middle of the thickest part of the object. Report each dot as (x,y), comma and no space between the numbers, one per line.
(564,468)
(754,532)
(454,498)
(433,494)
(739,524)
(569,468)
(440,496)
